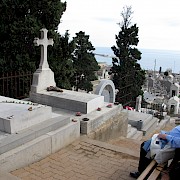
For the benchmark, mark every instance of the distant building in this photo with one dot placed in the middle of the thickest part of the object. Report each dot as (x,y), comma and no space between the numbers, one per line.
(104,70)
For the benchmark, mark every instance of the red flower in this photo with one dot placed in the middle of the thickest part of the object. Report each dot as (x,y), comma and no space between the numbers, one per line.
(109,106)
(78,113)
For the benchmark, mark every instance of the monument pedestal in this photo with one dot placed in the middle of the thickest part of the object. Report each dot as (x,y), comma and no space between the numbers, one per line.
(42,78)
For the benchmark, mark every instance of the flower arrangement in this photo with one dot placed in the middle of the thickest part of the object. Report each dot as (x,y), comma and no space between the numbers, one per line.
(109,106)
(78,113)
(116,103)
(98,109)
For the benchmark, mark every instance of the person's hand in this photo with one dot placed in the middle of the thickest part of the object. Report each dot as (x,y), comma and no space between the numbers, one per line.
(162,136)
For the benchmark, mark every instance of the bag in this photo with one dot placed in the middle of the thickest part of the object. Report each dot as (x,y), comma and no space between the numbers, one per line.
(155,145)
(160,155)
(165,154)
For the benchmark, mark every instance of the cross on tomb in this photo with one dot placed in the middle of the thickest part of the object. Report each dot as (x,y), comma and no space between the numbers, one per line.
(43,42)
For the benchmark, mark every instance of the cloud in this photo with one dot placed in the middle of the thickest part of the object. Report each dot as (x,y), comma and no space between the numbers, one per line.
(158,21)
(105,19)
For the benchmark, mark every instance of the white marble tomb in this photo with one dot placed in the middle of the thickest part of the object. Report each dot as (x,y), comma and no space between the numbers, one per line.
(16,115)
(44,77)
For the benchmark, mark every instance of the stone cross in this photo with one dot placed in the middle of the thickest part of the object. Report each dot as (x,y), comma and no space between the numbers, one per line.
(43,42)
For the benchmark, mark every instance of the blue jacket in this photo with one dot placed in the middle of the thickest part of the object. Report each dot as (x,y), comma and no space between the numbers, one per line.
(173,137)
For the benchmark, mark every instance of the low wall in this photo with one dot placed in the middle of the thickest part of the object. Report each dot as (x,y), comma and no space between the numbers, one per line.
(114,127)
(39,148)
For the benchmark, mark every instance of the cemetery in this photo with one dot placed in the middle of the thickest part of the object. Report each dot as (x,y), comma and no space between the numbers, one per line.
(53,118)
(50,120)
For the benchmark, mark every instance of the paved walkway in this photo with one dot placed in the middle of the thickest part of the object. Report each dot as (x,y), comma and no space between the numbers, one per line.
(85,159)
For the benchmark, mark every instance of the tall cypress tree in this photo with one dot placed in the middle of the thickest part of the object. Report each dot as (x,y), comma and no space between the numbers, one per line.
(128,76)
(60,60)
(84,62)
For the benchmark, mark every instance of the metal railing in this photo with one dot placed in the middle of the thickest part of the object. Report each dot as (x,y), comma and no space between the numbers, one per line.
(15,84)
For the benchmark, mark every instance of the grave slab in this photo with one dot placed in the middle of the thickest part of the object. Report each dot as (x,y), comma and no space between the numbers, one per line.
(69,100)
(16,115)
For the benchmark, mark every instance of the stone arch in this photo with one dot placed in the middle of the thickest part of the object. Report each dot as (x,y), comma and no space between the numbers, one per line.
(106,88)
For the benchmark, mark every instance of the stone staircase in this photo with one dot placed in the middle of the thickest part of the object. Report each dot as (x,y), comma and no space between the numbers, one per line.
(150,126)
(133,133)
(145,123)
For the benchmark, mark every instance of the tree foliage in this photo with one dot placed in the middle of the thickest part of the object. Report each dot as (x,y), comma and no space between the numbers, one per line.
(20,22)
(128,76)
(60,59)
(84,62)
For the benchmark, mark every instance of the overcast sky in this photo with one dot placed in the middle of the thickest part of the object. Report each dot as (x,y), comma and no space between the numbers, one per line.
(158,21)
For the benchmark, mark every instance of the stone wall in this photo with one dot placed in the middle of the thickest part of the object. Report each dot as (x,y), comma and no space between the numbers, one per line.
(112,128)
(39,147)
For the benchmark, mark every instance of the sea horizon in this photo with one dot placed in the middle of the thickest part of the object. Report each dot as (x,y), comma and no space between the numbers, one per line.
(151,59)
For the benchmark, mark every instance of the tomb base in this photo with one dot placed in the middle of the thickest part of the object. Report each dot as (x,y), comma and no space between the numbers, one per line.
(69,100)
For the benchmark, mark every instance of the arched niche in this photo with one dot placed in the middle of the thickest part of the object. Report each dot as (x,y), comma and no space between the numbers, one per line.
(106,88)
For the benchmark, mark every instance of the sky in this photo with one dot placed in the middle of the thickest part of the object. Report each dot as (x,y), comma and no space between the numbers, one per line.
(158,21)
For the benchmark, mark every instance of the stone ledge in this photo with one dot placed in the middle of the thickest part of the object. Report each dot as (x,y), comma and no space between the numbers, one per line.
(39,147)
(14,140)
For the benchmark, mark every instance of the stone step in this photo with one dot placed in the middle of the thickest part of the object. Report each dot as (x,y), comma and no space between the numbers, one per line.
(134,117)
(162,124)
(132,132)
(138,135)
(146,121)
(150,126)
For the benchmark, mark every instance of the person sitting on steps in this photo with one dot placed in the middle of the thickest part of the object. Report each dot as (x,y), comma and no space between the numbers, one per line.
(173,137)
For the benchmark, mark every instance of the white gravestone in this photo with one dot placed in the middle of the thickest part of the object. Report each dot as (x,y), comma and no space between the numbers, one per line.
(43,77)
(138,103)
